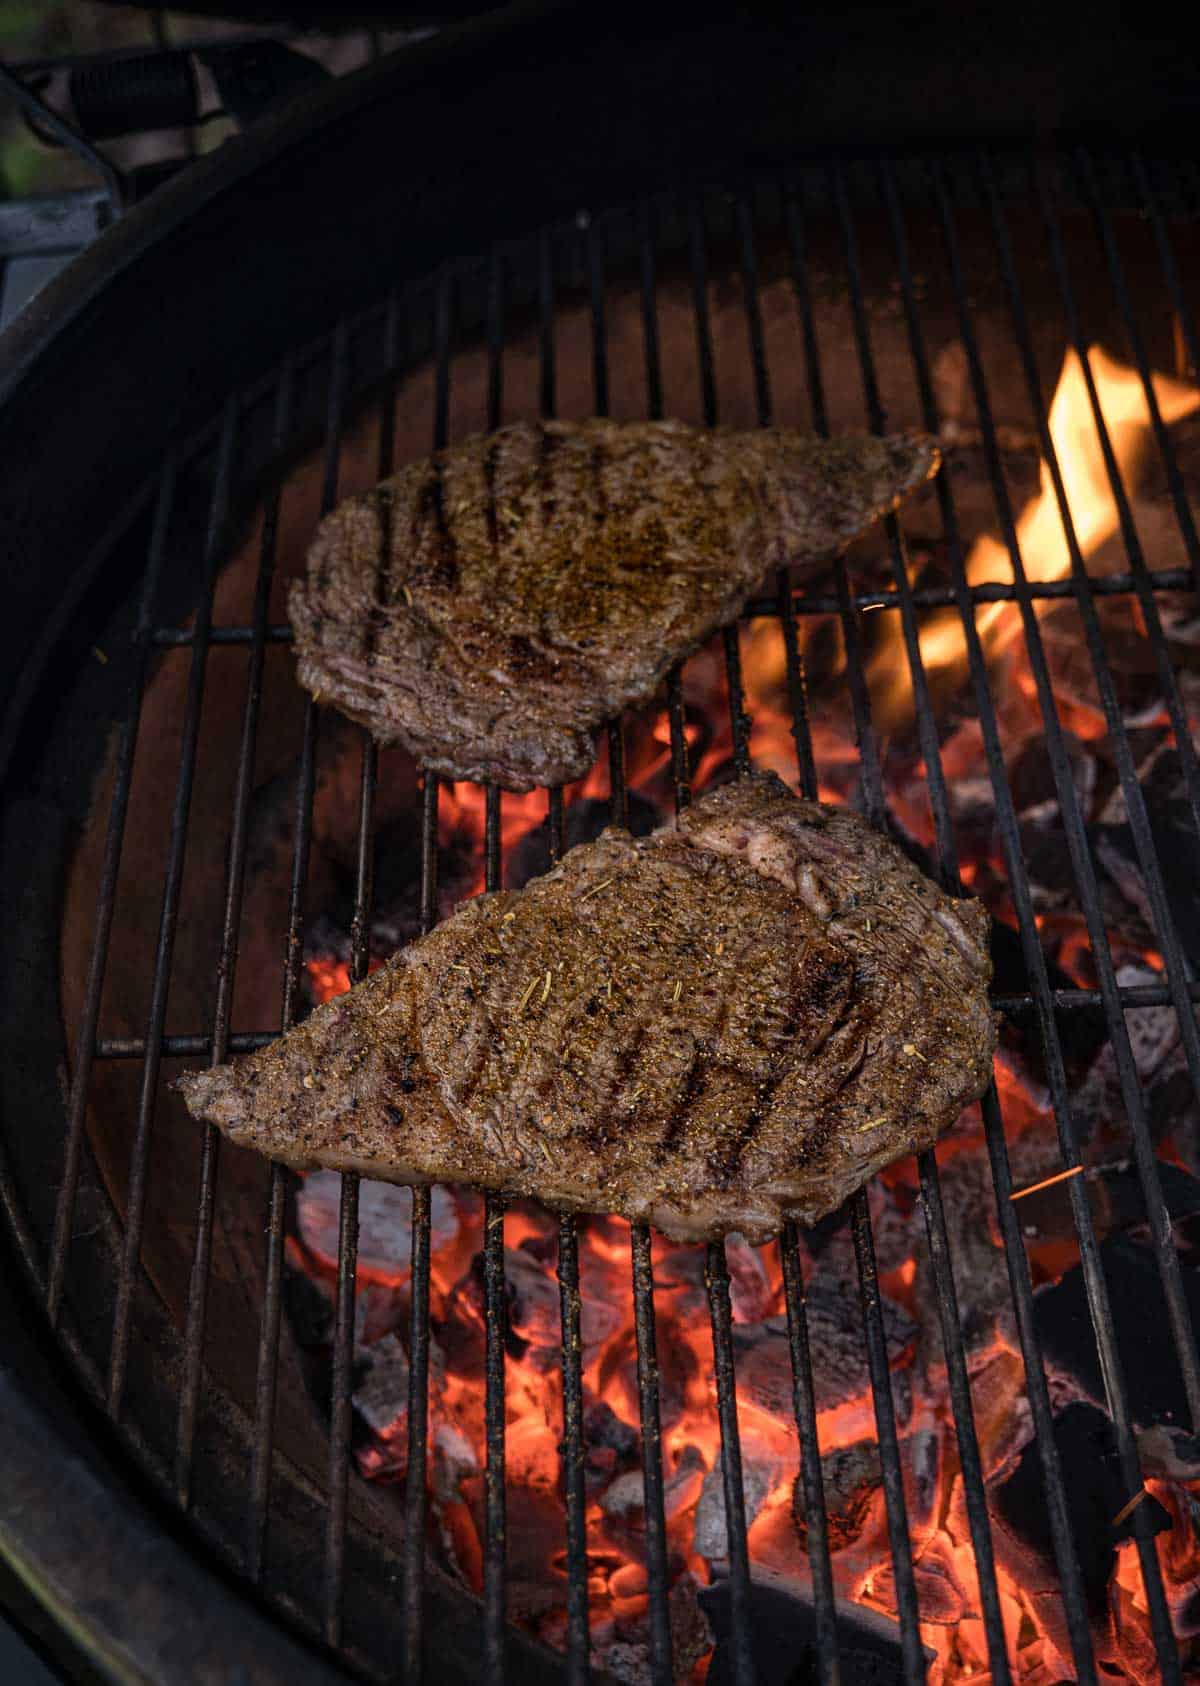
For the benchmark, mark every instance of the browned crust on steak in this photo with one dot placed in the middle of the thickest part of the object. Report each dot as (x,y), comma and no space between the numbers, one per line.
(491,606)
(712,1029)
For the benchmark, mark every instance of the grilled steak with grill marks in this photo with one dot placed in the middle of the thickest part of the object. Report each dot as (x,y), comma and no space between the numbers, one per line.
(711,1029)
(490,607)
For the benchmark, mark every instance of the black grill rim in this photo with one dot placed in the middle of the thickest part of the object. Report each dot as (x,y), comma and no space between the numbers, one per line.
(1177,990)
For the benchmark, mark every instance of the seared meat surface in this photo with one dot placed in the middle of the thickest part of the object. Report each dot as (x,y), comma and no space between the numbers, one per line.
(726,1024)
(491,606)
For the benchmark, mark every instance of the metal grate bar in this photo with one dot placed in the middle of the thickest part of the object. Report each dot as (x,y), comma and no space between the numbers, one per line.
(267,1372)
(1144,581)
(1131,1087)
(647,234)
(819,603)
(662,1673)
(1097,1293)
(716,1270)
(716,1281)
(1074,1599)
(1086,176)
(947,856)
(793,217)
(86,1047)
(495,1301)
(1184,314)
(495,1572)
(415,1495)
(912,1651)
(343,1325)
(595,261)
(197,1301)
(913,1656)
(804,1406)
(804,1402)
(140,1156)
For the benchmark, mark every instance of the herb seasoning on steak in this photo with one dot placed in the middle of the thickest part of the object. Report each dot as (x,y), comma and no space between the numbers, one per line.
(492,606)
(714,1028)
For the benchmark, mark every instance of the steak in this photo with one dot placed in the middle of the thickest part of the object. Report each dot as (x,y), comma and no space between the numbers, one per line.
(714,1028)
(491,606)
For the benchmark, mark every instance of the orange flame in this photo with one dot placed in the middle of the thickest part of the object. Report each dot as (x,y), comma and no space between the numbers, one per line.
(1041,531)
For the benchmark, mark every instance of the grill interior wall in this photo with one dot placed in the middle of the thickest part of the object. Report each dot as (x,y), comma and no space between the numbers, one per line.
(851,299)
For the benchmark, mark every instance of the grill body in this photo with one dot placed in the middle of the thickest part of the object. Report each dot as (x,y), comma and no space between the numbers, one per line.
(220,1447)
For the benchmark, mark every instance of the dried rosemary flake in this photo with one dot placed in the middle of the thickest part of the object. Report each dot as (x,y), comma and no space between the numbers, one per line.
(408,596)
(524,1001)
(546,986)
(507,917)
(914,1053)
(678,990)
(871,1124)
(596,889)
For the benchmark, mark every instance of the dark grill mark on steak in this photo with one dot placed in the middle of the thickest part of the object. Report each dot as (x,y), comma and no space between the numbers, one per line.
(442,569)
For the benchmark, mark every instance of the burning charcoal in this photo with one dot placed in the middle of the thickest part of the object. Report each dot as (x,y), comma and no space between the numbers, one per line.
(922,1455)
(533,1307)
(941,1598)
(384,1224)
(378,1309)
(454,1459)
(763,1355)
(1178,856)
(1096,1494)
(759,1477)
(984,1303)
(835,1334)
(1169,1453)
(625,1498)
(381,1397)
(602,1427)
(1034,789)
(850,1478)
(749,1286)
(628,1658)
(1048,863)
(1143,1331)
(784,1641)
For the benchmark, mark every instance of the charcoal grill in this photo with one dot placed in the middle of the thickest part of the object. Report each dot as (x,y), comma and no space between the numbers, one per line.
(292,1535)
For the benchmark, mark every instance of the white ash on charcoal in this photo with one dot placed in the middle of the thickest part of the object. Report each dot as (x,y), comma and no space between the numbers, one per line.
(1035,793)
(942,1599)
(761,1473)
(851,1480)
(1131,658)
(626,1657)
(384,1224)
(750,1292)
(380,1401)
(852,1483)
(623,1501)
(841,1378)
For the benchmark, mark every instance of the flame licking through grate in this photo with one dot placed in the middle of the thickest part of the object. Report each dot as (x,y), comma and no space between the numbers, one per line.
(948,1588)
